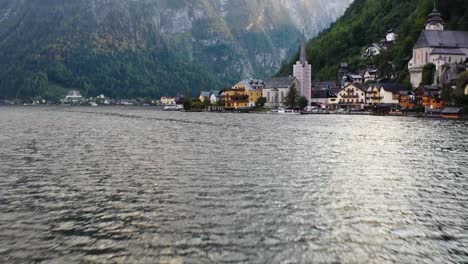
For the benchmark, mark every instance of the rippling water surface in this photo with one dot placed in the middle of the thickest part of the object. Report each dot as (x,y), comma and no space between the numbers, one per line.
(137,185)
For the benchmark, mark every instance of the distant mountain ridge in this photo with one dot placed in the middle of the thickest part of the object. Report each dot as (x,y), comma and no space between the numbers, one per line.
(147,48)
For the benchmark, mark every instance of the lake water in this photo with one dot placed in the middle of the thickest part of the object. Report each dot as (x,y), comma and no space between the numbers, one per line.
(137,185)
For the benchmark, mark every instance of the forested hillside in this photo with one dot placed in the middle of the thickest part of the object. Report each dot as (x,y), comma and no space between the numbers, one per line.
(367,21)
(148,48)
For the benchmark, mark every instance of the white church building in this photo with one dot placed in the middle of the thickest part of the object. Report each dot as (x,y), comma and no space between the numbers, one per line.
(302,70)
(437,46)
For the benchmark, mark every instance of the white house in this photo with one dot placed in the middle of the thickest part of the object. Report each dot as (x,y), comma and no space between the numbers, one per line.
(73,96)
(168,100)
(276,90)
(352,96)
(390,92)
(370,75)
(215,96)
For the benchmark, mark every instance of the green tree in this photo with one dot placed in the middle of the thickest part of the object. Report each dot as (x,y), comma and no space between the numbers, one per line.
(460,97)
(291,98)
(187,104)
(302,102)
(206,101)
(260,103)
(428,74)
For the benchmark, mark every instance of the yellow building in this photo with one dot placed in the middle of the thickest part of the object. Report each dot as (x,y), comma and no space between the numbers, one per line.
(373,95)
(244,94)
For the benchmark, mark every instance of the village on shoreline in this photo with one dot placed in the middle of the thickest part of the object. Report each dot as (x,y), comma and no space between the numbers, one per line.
(438,70)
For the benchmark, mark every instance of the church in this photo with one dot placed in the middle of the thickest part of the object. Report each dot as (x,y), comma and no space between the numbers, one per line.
(302,70)
(437,46)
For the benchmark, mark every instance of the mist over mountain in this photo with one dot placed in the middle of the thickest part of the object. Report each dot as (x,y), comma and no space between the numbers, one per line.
(132,48)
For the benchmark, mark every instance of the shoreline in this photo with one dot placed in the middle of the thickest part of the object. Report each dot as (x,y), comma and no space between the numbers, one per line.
(264,112)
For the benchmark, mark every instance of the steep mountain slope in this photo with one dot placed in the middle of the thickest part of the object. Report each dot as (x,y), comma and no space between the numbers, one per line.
(366,22)
(132,48)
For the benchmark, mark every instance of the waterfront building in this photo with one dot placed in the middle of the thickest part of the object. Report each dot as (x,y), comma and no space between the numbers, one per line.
(406,99)
(437,46)
(204,95)
(302,70)
(352,96)
(244,94)
(276,89)
(373,95)
(168,100)
(390,92)
(429,96)
(452,113)
(215,96)
(319,98)
(74,97)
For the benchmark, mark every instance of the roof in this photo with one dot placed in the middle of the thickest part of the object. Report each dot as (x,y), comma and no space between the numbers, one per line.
(355,76)
(448,51)
(360,86)
(431,90)
(324,85)
(248,83)
(205,94)
(434,17)
(320,94)
(392,87)
(452,110)
(442,39)
(280,82)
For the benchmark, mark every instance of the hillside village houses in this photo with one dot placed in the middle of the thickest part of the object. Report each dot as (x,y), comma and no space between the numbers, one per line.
(447,50)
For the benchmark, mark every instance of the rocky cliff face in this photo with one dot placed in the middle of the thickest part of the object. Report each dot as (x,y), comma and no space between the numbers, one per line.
(219,41)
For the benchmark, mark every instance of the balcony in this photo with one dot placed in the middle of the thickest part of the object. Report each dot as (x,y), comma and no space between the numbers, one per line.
(238,98)
(350,96)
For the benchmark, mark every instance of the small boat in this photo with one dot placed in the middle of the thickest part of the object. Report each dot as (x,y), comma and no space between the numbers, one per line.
(282,111)
(93,104)
(171,108)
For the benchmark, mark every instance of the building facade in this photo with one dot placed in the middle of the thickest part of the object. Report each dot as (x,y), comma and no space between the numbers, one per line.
(352,97)
(276,90)
(429,96)
(244,94)
(390,92)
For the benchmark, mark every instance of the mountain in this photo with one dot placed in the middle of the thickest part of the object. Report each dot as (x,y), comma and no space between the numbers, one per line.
(147,48)
(366,22)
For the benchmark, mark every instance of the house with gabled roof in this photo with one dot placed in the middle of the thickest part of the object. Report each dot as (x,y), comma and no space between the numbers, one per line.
(276,90)
(390,92)
(429,96)
(352,96)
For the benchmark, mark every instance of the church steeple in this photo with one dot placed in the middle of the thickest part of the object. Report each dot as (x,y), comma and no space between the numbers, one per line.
(434,19)
(303,57)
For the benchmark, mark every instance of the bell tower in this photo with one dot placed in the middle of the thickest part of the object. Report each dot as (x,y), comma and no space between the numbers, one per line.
(434,19)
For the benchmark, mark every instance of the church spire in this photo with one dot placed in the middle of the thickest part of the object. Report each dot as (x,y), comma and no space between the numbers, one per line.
(303,57)
(434,19)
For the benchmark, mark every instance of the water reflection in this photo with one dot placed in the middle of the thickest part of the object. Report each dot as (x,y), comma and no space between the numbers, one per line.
(138,185)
